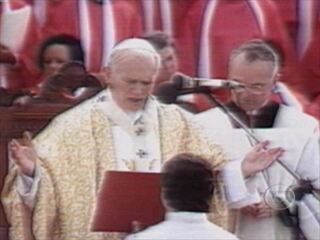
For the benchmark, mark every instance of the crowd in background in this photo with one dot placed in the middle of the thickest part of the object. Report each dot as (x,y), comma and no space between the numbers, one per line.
(205,31)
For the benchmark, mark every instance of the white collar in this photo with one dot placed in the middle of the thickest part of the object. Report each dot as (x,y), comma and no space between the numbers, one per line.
(186,216)
(127,121)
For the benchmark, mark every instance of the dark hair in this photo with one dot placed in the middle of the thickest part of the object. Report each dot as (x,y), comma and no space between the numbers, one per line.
(159,40)
(73,44)
(187,183)
(259,49)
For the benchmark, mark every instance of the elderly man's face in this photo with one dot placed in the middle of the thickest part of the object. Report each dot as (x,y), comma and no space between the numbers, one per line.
(257,79)
(131,82)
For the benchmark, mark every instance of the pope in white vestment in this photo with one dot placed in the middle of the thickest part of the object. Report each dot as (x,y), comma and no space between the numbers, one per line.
(75,151)
(51,191)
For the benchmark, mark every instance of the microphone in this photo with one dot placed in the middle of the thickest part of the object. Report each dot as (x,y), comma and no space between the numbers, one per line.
(187,82)
(167,92)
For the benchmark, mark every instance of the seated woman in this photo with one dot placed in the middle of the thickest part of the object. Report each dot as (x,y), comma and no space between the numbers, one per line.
(54,53)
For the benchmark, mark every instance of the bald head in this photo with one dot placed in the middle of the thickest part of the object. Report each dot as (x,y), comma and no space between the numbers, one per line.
(258,50)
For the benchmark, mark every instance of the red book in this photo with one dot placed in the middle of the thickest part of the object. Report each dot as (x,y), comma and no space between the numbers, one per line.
(126,197)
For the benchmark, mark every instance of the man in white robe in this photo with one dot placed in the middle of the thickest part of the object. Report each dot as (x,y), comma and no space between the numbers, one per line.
(56,177)
(255,66)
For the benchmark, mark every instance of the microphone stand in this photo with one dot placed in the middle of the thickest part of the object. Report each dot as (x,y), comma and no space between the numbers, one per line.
(243,126)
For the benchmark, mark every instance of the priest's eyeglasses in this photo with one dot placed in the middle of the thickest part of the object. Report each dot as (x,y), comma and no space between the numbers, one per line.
(255,88)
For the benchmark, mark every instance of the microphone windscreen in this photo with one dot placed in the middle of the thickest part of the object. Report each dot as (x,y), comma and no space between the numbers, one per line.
(186,82)
(178,80)
(167,92)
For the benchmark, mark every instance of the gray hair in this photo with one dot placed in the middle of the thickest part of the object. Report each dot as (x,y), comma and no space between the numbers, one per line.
(258,50)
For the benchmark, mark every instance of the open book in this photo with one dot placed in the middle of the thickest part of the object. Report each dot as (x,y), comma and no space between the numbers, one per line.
(126,197)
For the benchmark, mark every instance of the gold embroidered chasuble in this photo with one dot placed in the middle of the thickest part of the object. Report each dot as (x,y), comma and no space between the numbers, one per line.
(74,152)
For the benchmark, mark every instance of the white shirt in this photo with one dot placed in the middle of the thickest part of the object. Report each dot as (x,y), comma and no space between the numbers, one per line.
(184,225)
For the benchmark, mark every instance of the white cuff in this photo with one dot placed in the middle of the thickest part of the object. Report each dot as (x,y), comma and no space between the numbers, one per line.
(237,193)
(250,198)
(27,187)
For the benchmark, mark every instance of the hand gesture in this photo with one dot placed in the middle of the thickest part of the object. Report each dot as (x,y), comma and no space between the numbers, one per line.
(258,210)
(249,210)
(260,158)
(23,154)
(263,210)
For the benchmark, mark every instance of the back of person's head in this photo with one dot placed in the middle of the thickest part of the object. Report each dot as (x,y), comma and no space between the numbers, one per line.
(72,43)
(159,40)
(187,183)
(259,50)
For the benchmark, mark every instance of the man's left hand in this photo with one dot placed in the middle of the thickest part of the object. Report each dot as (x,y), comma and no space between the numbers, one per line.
(260,158)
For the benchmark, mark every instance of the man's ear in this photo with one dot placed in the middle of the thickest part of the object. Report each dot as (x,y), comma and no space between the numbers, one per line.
(277,77)
(106,72)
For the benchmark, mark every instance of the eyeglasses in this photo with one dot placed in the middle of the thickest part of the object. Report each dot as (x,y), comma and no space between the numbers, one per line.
(256,88)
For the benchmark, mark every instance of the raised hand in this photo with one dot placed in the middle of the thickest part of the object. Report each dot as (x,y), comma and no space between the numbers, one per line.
(260,158)
(23,154)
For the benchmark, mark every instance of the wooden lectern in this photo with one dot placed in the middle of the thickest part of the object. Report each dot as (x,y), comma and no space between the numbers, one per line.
(126,197)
